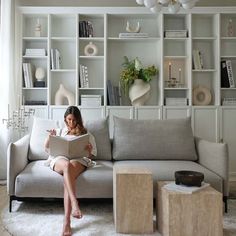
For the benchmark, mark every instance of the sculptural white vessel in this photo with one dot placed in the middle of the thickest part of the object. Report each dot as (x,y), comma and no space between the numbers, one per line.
(139,92)
(62,93)
(40,74)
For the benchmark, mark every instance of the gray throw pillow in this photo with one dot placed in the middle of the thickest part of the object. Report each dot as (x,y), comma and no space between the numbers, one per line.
(99,129)
(153,139)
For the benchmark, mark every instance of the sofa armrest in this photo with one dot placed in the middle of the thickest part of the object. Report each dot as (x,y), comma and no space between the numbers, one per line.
(214,156)
(17,159)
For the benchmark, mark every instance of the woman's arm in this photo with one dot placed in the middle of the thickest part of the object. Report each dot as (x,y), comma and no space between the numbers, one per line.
(46,142)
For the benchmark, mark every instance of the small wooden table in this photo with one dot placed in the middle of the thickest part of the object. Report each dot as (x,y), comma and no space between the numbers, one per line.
(133,200)
(183,214)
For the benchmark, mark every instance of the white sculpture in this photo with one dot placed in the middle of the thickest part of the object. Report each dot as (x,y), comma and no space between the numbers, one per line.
(90,49)
(37,30)
(39,74)
(139,92)
(133,30)
(62,93)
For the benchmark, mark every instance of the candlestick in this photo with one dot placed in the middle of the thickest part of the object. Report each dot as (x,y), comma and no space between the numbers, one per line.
(179,75)
(169,70)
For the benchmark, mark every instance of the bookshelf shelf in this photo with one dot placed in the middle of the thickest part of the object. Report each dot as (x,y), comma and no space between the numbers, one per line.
(91,57)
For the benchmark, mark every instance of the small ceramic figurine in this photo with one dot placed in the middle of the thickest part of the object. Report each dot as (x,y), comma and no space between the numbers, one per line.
(39,74)
(37,30)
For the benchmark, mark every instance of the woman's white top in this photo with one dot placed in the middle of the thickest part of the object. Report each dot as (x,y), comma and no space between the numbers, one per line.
(64,132)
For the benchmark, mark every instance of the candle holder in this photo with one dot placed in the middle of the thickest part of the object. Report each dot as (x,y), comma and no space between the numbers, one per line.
(18,120)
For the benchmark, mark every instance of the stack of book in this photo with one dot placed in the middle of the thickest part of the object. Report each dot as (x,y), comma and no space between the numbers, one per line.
(35,52)
(133,35)
(83,75)
(176,101)
(197,60)
(55,59)
(35,102)
(114,94)
(227,77)
(229,102)
(175,33)
(28,75)
(91,100)
(85,29)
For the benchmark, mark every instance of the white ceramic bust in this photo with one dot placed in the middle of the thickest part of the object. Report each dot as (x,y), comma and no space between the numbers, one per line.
(62,93)
(39,74)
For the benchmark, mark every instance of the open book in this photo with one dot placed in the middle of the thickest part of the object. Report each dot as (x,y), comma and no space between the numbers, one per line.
(69,146)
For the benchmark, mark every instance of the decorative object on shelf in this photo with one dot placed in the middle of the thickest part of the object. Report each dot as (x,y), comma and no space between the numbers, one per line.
(90,49)
(40,74)
(19,118)
(201,96)
(37,30)
(173,5)
(230,28)
(130,29)
(173,82)
(189,178)
(62,93)
(134,70)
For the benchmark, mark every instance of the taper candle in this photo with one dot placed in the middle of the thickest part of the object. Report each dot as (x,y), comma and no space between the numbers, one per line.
(179,75)
(169,70)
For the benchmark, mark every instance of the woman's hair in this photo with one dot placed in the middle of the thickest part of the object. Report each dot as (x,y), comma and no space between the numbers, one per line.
(79,129)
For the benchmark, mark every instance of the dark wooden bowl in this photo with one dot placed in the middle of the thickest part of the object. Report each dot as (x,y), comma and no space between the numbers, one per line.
(189,178)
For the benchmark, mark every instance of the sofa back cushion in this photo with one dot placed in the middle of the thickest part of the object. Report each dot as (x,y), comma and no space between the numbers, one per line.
(38,136)
(153,139)
(99,129)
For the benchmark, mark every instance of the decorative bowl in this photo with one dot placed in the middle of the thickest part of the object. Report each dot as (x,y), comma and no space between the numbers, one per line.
(189,178)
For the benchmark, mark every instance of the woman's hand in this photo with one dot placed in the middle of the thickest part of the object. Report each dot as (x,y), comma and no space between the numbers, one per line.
(89,147)
(46,143)
(52,132)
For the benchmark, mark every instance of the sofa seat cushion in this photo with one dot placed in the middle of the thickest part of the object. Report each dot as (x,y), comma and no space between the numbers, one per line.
(153,139)
(38,180)
(164,170)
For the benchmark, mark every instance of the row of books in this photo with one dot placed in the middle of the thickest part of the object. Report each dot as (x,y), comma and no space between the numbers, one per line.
(114,94)
(175,33)
(85,29)
(227,77)
(197,60)
(28,75)
(133,35)
(83,76)
(33,52)
(55,59)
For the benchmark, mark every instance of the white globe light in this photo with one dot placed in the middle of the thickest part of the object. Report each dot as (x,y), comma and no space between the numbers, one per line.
(150,3)
(164,1)
(140,2)
(173,8)
(188,5)
(156,9)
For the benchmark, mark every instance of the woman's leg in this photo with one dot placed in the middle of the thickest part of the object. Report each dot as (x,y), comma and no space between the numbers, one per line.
(67,209)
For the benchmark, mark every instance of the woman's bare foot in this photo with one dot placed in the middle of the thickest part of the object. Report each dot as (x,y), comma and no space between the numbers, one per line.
(66,229)
(76,212)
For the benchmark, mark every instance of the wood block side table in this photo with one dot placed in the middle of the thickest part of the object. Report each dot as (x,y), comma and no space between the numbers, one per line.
(183,214)
(133,200)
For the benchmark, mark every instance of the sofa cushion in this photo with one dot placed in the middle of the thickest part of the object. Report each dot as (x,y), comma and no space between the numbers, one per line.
(153,139)
(100,131)
(38,136)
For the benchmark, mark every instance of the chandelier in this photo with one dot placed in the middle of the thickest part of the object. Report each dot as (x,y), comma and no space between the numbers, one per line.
(155,6)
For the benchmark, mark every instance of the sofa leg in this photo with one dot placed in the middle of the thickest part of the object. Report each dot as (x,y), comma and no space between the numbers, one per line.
(225,200)
(10,203)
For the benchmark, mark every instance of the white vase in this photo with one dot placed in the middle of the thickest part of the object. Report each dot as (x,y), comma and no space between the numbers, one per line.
(139,92)
(62,93)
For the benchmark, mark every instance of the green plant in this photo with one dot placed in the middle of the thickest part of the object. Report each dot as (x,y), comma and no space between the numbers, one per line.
(133,69)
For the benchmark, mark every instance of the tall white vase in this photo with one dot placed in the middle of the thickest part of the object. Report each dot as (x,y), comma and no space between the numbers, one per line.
(139,92)
(62,93)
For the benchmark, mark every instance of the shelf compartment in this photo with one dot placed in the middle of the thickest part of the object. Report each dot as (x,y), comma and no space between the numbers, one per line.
(91,92)
(98,44)
(34,44)
(228,47)
(175,48)
(224,19)
(35,94)
(176,22)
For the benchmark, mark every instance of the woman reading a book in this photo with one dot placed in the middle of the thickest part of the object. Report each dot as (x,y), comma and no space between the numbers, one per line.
(70,169)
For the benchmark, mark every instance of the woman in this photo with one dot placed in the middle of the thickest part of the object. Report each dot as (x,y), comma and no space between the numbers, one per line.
(70,169)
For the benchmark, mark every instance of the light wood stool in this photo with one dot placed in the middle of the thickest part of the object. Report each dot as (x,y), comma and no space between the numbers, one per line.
(133,200)
(183,214)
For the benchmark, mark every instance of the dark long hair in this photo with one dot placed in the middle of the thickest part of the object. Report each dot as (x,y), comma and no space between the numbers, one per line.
(79,129)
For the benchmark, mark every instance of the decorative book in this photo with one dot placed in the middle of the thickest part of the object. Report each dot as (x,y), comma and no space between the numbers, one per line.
(69,146)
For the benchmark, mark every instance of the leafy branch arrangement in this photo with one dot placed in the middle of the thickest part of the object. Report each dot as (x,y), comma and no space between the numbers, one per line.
(133,69)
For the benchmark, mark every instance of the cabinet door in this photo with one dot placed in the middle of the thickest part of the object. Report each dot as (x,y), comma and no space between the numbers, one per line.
(147,113)
(123,112)
(228,131)
(205,123)
(90,113)
(57,113)
(176,112)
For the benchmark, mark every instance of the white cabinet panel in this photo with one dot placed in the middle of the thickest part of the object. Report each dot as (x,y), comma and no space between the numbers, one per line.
(148,113)
(228,135)
(92,113)
(205,123)
(176,112)
(57,113)
(123,112)
(41,112)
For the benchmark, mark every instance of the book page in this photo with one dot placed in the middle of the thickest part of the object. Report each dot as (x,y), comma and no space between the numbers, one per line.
(69,146)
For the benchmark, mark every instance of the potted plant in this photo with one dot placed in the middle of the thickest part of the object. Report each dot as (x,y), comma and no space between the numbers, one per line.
(135,80)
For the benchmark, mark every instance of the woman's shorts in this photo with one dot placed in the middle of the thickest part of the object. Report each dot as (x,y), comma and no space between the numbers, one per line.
(55,159)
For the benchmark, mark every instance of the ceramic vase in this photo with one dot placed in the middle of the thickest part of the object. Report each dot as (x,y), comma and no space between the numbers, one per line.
(139,92)
(62,93)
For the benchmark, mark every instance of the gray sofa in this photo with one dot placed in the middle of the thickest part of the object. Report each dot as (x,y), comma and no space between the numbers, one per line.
(163,146)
